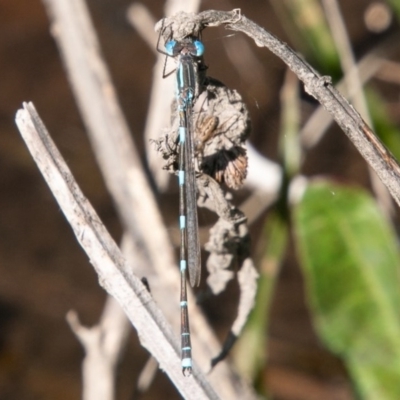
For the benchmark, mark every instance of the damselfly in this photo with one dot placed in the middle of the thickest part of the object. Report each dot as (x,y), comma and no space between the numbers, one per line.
(188,54)
(206,149)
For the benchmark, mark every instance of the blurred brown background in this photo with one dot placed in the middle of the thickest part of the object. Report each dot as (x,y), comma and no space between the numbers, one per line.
(43,271)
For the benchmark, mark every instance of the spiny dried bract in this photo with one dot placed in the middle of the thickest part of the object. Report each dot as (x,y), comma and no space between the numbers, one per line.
(229,167)
(167,146)
(223,128)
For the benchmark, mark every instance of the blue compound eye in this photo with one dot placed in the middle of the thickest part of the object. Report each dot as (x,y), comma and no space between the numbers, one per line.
(170,46)
(199,48)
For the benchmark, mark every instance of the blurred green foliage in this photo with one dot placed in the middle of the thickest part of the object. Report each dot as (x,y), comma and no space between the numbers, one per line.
(306,26)
(349,255)
(384,127)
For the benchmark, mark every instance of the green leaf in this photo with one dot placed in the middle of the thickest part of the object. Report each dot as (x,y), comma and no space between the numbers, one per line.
(350,260)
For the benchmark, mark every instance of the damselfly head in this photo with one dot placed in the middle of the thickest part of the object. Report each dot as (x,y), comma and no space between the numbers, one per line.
(188,45)
(170,47)
(199,46)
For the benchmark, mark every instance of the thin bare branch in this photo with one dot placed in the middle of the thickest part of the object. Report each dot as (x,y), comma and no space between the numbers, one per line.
(146,376)
(103,344)
(115,275)
(354,84)
(368,66)
(389,72)
(346,56)
(320,87)
(140,18)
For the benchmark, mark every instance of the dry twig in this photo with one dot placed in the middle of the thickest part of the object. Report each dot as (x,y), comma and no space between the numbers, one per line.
(103,344)
(115,275)
(320,87)
(354,84)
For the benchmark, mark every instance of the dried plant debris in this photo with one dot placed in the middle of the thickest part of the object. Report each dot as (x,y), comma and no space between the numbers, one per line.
(221,126)
(183,24)
(229,242)
(221,132)
(229,248)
